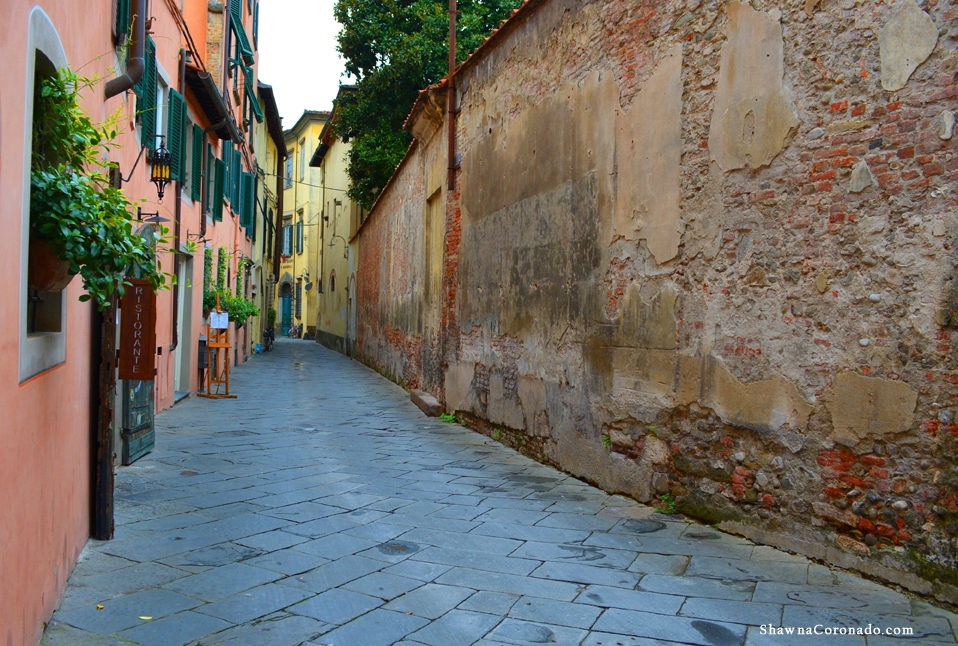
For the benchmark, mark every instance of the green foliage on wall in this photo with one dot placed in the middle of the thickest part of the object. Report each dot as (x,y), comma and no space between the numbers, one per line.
(235,304)
(395,49)
(73,207)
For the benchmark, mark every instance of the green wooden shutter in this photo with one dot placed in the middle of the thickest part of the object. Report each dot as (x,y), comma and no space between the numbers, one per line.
(121,22)
(254,102)
(208,179)
(236,177)
(256,24)
(146,97)
(299,237)
(242,40)
(246,201)
(217,205)
(255,207)
(176,136)
(197,171)
(228,160)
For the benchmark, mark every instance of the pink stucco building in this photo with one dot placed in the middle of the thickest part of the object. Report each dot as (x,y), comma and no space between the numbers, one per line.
(49,372)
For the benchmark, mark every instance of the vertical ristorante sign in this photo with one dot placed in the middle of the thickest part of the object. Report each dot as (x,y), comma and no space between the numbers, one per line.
(138,331)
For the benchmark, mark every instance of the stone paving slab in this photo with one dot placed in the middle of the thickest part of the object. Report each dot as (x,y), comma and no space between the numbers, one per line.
(346,517)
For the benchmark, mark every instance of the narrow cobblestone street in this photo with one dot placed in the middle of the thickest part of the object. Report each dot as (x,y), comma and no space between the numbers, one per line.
(322,507)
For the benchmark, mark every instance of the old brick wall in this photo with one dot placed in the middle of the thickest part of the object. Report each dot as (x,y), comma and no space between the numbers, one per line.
(398,320)
(705,251)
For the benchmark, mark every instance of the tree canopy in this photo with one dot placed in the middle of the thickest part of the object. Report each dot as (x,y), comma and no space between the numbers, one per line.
(394,48)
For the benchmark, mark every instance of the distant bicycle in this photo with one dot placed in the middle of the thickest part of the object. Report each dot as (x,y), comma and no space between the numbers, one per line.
(293,332)
(268,338)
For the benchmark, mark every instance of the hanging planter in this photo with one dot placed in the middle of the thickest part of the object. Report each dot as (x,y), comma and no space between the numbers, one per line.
(47,272)
(79,222)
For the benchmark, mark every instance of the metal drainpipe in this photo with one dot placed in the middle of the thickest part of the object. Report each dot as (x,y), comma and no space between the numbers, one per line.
(134,71)
(322,237)
(103,337)
(181,88)
(280,193)
(451,96)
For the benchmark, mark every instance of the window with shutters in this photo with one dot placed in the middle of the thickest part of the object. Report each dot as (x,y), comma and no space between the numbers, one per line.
(196,173)
(243,50)
(228,160)
(121,21)
(146,97)
(299,298)
(302,160)
(255,208)
(246,201)
(299,234)
(289,169)
(219,181)
(254,112)
(236,179)
(176,135)
(256,24)
(161,113)
(187,158)
(208,180)
(288,236)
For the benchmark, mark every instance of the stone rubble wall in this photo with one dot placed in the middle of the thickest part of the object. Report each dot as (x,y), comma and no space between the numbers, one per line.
(702,254)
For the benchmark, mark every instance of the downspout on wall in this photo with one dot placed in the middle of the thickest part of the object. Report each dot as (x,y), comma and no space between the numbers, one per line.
(280,190)
(181,88)
(134,71)
(451,97)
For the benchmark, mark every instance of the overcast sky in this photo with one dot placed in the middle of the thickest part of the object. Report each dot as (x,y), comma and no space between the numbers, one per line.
(297,55)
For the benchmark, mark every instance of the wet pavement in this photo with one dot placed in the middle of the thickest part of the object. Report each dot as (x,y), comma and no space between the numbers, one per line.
(322,507)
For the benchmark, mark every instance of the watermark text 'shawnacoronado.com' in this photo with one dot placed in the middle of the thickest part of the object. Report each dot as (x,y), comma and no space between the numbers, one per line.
(821,629)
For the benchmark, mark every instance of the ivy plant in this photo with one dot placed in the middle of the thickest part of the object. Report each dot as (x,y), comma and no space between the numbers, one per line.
(85,221)
(237,306)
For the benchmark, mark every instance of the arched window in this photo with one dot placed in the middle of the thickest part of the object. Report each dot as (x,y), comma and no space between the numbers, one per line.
(43,315)
(332,282)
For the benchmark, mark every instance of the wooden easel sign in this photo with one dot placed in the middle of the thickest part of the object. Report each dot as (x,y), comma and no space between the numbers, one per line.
(217,355)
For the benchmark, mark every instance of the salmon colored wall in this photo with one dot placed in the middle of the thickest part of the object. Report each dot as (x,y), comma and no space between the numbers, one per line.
(195,14)
(45,458)
(45,432)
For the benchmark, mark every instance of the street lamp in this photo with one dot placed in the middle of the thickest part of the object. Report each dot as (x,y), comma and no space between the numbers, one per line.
(161,170)
(346,250)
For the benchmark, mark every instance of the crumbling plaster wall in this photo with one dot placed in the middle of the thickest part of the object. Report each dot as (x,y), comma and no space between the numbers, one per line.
(397,325)
(705,250)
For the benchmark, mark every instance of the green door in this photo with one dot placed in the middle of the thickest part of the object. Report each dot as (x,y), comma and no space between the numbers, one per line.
(137,416)
(287,306)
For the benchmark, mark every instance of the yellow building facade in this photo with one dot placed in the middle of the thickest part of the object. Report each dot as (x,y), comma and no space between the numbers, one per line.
(333,308)
(302,214)
(270,146)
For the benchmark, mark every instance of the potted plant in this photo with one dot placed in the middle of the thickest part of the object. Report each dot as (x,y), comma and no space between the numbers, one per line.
(79,223)
(235,305)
